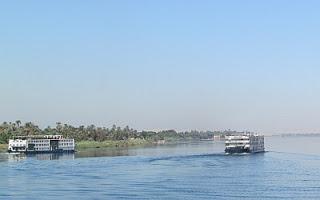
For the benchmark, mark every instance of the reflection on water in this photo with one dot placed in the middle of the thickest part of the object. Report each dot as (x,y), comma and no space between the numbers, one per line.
(102,152)
(41,156)
(16,157)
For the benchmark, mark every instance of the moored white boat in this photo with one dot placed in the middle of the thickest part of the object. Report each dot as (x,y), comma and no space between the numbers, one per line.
(41,144)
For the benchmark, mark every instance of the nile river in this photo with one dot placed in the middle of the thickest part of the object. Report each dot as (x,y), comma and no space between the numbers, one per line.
(199,170)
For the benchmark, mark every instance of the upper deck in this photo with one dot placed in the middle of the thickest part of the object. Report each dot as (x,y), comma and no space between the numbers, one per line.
(50,137)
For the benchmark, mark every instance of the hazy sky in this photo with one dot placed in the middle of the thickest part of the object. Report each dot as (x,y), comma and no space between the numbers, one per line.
(207,65)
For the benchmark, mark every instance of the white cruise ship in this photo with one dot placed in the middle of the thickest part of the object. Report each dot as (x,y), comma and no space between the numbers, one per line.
(246,143)
(41,144)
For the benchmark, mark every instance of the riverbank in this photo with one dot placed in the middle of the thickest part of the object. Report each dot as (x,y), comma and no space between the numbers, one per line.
(112,143)
(3,147)
(103,144)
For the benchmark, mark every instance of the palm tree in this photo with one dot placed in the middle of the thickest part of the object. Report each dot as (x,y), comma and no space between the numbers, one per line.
(59,127)
(18,122)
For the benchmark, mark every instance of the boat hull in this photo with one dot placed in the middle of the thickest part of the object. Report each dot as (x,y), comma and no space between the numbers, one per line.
(239,150)
(41,152)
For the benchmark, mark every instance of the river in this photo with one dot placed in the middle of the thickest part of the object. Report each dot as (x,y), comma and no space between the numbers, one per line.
(195,170)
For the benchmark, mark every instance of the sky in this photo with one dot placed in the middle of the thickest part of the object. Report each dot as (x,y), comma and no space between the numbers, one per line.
(170,64)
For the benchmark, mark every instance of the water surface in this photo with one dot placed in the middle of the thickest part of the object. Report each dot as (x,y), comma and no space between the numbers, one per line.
(197,170)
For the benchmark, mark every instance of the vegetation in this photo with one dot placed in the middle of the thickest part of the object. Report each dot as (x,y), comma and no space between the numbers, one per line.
(3,147)
(111,143)
(92,136)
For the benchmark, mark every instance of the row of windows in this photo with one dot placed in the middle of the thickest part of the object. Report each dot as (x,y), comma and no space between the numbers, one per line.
(19,144)
(41,148)
(44,141)
(19,141)
(66,144)
(47,149)
(66,140)
(41,144)
(46,145)
(39,141)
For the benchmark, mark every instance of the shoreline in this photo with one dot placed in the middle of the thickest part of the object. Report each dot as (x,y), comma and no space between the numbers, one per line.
(87,144)
(3,148)
(103,144)
(112,143)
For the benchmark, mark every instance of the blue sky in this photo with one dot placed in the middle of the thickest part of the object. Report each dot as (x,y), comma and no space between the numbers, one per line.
(207,65)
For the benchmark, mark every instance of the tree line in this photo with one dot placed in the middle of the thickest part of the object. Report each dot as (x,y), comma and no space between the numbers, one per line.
(93,133)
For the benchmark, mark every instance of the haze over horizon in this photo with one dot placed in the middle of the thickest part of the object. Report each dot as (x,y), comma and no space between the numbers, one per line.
(181,65)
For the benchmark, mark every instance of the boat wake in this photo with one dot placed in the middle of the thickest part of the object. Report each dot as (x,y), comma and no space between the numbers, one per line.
(179,157)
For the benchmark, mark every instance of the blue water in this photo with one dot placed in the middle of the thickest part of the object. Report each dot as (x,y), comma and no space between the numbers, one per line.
(198,170)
